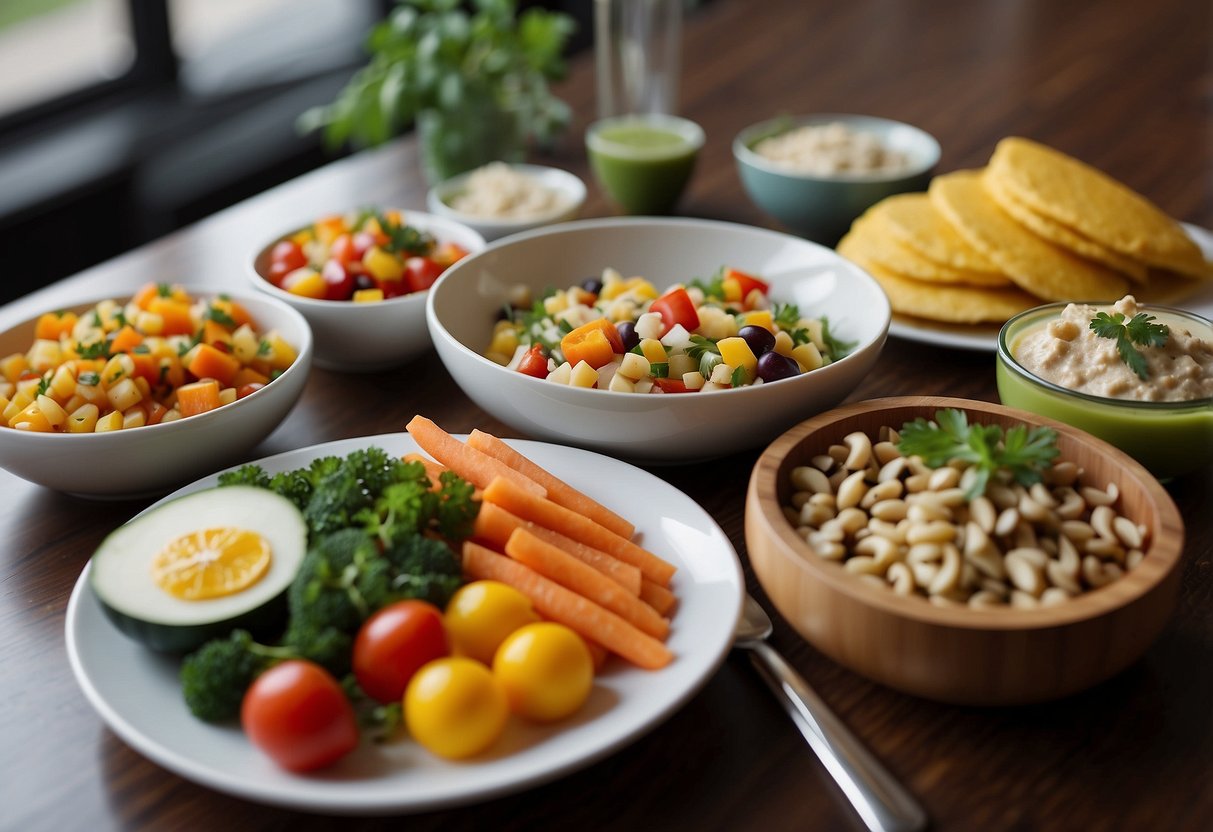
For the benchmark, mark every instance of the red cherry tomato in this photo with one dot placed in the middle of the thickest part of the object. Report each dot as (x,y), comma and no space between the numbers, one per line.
(392,288)
(534,363)
(289,254)
(676,307)
(343,251)
(362,241)
(248,389)
(393,644)
(277,272)
(338,280)
(420,273)
(298,715)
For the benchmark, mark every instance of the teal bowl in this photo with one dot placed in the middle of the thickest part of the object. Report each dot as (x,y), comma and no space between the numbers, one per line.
(1168,438)
(822,208)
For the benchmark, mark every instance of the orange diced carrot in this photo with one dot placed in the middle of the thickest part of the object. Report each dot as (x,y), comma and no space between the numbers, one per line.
(176,315)
(198,397)
(125,340)
(209,362)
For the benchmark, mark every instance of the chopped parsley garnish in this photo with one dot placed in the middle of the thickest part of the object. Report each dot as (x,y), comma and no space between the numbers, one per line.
(141,349)
(786,315)
(90,379)
(120,318)
(740,377)
(97,349)
(264,348)
(701,346)
(713,287)
(1139,330)
(164,290)
(219,316)
(405,239)
(836,348)
(659,370)
(1021,452)
(44,384)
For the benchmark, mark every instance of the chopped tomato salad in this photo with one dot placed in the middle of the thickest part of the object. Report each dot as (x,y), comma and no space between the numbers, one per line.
(622,334)
(364,257)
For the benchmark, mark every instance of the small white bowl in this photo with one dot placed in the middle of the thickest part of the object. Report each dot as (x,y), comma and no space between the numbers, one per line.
(464,304)
(153,459)
(365,337)
(570,190)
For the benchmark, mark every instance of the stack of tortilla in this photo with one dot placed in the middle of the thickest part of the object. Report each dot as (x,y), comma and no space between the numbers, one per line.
(1034,225)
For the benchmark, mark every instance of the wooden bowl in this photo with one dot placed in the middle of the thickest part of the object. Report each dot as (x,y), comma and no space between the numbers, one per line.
(963,655)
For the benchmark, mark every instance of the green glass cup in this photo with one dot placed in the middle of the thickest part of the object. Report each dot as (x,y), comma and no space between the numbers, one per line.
(644,162)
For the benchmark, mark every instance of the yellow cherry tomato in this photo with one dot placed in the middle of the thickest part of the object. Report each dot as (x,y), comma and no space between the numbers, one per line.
(546,671)
(481,614)
(455,707)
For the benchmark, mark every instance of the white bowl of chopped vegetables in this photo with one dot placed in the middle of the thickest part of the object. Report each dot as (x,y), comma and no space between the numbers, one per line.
(683,374)
(151,443)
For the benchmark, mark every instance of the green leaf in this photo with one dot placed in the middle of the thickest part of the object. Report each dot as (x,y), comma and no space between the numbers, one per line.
(1140,330)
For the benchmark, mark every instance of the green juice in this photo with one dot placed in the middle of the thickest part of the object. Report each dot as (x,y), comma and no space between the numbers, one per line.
(644,163)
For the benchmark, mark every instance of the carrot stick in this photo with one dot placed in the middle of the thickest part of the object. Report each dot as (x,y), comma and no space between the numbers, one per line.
(658,597)
(556,603)
(559,491)
(540,510)
(494,525)
(432,469)
(474,466)
(553,562)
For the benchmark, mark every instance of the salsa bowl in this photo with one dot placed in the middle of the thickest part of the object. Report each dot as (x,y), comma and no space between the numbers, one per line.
(1000,655)
(464,305)
(1170,438)
(152,459)
(366,337)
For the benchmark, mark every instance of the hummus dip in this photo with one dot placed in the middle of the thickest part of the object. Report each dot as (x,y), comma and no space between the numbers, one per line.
(497,191)
(1066,352)
(829,149)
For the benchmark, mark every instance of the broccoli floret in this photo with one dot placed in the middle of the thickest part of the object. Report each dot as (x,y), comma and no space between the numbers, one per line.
(215,677)
(401,511)
(246,475)
(456,510)
(325,645)
(296,486)
(337,498)
(422,567)
(325,591)
(376,468)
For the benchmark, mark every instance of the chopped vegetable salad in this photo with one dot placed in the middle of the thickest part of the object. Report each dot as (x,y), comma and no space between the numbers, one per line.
(162,356)
(621,334)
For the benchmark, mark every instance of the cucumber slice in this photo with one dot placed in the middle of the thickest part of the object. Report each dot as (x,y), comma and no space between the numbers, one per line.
(121,574)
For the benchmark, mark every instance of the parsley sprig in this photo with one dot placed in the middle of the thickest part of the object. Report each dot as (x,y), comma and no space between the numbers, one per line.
(1139,330)
(1021,452)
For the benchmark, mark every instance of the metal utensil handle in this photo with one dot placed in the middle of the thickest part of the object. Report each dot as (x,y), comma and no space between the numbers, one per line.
(882,802)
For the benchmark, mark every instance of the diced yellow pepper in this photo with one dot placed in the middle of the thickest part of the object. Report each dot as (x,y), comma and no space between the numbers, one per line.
(83,419)
(737,353)
(759,317)
(13,366)
(641,288)
(31,418)
(654,351)
(368,296)
(281,354)
(306,283)
(383,265)
(50,408)
(784,344)
(63,382)
(732,289)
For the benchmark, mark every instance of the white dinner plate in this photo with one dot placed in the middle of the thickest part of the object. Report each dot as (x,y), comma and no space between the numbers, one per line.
(985,336)
(137,693)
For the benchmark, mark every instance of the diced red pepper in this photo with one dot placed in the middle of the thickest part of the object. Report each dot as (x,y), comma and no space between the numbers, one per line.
(676,307)
(534,363)
(671,385)
(747,282)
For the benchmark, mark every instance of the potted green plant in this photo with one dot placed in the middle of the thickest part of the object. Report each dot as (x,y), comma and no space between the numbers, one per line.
(475,83)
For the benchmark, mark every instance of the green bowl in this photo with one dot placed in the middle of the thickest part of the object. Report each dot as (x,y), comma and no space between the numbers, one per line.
(820,207)
(1169,438)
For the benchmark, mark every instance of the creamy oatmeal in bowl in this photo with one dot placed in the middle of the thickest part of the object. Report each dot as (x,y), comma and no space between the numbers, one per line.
(1136,375)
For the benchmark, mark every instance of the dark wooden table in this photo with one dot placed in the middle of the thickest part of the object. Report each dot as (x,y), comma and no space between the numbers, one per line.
(1123,85)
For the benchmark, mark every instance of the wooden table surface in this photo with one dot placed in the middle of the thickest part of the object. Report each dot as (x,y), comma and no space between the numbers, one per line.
(1122,85)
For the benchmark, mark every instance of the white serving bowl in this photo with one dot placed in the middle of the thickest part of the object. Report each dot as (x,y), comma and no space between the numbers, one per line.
(365,337)
(153,459)
(570,190)
(464,304)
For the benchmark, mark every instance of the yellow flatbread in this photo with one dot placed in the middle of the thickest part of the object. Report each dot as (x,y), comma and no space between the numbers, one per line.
(949,303)
(1095,205)
(914,222)
(1061,235)
(1035,265)
(868,238)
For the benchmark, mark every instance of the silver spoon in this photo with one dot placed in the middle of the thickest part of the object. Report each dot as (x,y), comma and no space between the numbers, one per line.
(883,803)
